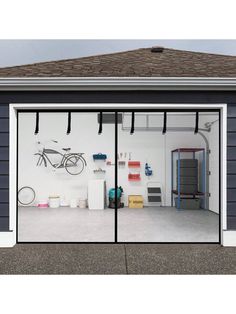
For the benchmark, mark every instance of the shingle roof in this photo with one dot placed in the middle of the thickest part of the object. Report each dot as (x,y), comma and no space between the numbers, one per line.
(135,63)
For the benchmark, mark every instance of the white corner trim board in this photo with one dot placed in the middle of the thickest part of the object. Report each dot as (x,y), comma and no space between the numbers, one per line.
(229,238)
(7,239)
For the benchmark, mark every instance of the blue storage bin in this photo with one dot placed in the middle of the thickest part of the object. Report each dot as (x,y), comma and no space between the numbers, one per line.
(99,156)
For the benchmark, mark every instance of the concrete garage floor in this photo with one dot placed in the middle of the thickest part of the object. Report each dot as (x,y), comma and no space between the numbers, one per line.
(134,225)
(166,224)
(65,224)
(118,259)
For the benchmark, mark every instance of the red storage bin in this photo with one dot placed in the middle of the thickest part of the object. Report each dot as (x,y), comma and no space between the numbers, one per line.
(134,177)
(134,164)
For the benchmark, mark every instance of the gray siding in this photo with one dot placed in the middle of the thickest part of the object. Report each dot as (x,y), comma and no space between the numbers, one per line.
(231,167)
(4,167)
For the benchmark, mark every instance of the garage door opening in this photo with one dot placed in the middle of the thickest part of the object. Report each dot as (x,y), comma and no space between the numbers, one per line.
(171,181)
(165,165)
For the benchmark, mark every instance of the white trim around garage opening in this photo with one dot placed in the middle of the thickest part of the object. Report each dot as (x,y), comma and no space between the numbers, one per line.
(225,239)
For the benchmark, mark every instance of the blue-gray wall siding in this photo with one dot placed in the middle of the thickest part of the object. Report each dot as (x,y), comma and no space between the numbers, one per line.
(4,167)
(231,167)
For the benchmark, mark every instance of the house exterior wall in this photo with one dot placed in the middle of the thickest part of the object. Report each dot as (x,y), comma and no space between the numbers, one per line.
(231,167)
(182,97)
(4,167)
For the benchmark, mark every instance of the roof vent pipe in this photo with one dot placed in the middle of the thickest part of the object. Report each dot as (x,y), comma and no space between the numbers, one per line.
(157,49)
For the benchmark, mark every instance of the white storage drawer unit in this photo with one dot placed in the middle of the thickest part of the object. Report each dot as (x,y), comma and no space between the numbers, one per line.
(96,194)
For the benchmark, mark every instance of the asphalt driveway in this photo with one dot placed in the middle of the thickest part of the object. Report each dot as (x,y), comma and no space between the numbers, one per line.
(117,259)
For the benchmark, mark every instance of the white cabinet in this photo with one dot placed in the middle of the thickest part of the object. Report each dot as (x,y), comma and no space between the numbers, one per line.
(96,194)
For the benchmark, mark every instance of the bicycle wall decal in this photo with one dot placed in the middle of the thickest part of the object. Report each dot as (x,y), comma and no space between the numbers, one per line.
(73,163)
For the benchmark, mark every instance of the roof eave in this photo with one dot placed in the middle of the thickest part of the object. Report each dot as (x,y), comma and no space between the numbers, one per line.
(116,83)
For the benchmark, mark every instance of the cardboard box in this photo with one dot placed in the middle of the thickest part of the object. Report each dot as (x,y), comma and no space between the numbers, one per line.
(135,201)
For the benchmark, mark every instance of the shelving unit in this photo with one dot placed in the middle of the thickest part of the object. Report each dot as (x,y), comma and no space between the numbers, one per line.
(187,176)
(134,175)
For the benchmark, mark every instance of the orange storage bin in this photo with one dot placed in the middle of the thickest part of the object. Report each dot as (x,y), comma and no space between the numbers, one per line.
(134,164)
(134,177)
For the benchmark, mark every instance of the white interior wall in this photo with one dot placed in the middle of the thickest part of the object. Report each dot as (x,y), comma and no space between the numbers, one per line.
(213,139)
(151,147)
(83,138)
(154,148)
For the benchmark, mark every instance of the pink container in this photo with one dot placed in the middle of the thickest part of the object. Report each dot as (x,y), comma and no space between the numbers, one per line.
(42,204)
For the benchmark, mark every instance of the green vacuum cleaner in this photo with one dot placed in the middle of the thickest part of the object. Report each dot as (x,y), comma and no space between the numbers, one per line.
(112,198)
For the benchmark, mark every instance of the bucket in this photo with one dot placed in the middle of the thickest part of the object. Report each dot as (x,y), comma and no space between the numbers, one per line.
(54,201)
(42,204)
(73,203)
(82,203)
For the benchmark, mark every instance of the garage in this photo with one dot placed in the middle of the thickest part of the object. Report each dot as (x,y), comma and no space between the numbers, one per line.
(164,163)
(119,154)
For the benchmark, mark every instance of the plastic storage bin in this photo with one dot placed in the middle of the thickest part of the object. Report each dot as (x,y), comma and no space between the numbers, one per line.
(188,163)
(134,164)
(42,204)
(135,201)
(188,188)
(73,203)
(54,201)
(188,203)
(82,203)
(99,157)
(134,177)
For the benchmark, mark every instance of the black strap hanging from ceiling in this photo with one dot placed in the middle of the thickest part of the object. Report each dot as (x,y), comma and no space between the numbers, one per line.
(196,122)
(100,122)
(37,124)
(69,123)
(164,123)
(132,123)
